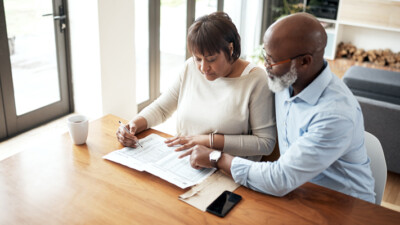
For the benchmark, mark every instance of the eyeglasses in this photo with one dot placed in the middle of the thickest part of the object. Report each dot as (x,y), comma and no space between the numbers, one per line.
(269,66)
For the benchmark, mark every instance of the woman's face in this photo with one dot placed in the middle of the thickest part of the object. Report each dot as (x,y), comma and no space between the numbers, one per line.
(213,66)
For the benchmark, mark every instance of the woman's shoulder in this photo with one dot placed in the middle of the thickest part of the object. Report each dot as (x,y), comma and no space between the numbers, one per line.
(189,71)
(250,68)
(190,62)
(188,66)
(255,72)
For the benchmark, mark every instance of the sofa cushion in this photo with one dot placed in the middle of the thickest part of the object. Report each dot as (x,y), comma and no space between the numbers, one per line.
(377,84)
(383,121)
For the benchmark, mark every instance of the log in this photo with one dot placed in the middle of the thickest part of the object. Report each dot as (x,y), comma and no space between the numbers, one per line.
(371,55)
(380,57)
(359,55)
(380,61)
(390,59)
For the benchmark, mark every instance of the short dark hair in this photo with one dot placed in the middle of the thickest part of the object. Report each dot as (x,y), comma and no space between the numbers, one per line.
(212,33)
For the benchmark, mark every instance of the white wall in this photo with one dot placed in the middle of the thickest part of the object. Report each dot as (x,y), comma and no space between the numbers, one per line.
(102,57)
(85,57)
(117,57)
(369,38)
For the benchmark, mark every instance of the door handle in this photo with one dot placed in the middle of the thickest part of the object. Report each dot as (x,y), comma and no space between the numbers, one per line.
(61,17)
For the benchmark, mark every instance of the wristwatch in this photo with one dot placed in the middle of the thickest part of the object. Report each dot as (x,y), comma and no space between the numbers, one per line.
(214,157)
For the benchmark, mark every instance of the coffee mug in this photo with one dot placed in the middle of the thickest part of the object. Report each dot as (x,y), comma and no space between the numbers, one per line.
(78,126)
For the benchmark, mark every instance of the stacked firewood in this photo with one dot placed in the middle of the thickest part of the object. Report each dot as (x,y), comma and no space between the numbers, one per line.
(379,57)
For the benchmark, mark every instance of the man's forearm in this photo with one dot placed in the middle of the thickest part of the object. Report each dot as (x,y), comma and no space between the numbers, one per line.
(224,163)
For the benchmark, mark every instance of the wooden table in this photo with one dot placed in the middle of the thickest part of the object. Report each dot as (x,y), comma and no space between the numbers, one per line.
(60,183)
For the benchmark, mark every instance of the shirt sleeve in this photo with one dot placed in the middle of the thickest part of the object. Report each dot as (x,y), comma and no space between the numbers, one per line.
(164,106)
(262,139)
(326,140)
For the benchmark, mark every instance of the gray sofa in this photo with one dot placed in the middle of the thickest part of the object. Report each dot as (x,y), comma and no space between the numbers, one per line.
(378,92)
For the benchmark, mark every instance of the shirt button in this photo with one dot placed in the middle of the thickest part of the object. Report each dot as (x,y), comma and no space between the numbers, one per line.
(287,145)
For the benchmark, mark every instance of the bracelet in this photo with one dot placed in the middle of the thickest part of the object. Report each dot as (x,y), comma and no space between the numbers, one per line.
(209,138)
(212,140)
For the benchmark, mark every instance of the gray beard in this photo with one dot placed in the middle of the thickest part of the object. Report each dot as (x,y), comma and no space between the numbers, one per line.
(278,84)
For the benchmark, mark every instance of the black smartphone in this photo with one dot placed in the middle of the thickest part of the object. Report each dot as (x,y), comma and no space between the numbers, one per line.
(224,203)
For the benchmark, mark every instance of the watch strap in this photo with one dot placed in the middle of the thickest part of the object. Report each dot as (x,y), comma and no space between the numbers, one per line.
(214,163)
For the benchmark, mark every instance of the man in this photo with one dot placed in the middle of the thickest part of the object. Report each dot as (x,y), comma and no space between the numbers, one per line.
(319,121)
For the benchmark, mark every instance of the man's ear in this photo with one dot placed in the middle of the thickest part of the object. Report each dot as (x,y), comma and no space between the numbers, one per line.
(306,60)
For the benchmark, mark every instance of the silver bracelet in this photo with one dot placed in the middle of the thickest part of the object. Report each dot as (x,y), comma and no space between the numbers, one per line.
(212,140)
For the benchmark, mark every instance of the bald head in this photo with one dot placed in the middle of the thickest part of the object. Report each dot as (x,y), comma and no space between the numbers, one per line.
(296,34)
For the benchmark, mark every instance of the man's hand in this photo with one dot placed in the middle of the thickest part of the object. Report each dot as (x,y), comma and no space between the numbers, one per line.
(199,156)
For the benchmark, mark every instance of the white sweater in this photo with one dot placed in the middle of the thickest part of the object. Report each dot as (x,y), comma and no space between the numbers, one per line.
(242,109)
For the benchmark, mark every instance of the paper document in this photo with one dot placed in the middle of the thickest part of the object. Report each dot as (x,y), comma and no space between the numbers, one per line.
(160,160)
(203,194)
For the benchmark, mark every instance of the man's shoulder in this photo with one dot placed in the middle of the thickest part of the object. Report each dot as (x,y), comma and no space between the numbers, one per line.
(338,100)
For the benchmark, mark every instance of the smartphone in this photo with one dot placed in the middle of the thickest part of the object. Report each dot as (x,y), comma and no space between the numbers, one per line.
(224,203)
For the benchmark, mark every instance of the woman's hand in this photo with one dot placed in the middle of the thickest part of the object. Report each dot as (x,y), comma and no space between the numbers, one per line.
(187,141)
(127,139)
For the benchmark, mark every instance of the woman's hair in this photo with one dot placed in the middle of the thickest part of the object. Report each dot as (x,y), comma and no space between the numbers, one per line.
(212,33)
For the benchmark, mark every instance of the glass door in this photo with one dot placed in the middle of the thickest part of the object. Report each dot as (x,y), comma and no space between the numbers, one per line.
(33,63)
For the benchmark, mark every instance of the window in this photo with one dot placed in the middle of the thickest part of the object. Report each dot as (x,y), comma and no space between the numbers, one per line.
(172,40)
(161,29)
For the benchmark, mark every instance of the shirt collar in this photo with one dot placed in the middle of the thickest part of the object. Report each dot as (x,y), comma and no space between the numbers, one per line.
(314,90)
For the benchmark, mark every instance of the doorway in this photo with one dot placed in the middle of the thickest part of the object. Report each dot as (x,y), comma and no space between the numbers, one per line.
(34,71)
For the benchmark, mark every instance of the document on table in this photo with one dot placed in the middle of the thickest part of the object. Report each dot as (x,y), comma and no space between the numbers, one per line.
(204,193)
(160,160)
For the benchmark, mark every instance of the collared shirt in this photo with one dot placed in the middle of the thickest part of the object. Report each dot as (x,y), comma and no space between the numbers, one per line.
(321,140)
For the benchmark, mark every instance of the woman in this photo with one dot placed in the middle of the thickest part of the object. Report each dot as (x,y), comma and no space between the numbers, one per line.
(222,101)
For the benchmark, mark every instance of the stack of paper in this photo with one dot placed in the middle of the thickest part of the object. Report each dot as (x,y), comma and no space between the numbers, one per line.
(157,158)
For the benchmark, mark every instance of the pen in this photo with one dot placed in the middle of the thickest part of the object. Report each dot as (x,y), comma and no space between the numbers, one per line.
(126,129)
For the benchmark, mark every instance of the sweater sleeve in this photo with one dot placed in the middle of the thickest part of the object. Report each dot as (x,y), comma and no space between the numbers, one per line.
(165,105)
(261,140)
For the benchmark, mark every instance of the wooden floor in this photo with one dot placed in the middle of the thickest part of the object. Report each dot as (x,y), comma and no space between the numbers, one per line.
(391,196)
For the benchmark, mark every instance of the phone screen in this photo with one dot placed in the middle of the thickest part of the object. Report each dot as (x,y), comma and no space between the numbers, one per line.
(224,203)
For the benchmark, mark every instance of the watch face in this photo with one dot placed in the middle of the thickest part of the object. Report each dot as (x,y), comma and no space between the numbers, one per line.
(212,156)
(215,155)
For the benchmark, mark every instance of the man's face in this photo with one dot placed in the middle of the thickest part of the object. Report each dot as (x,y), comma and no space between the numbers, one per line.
(278,83)
(281,74)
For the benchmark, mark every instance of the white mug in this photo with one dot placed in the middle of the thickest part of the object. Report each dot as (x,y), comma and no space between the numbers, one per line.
(78,126)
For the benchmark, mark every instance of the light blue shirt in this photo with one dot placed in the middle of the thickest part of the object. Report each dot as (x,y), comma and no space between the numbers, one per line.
(321,140)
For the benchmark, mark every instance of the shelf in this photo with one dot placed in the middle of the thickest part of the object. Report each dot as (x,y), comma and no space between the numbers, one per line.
(375,27)
(326,20)
(330,30)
